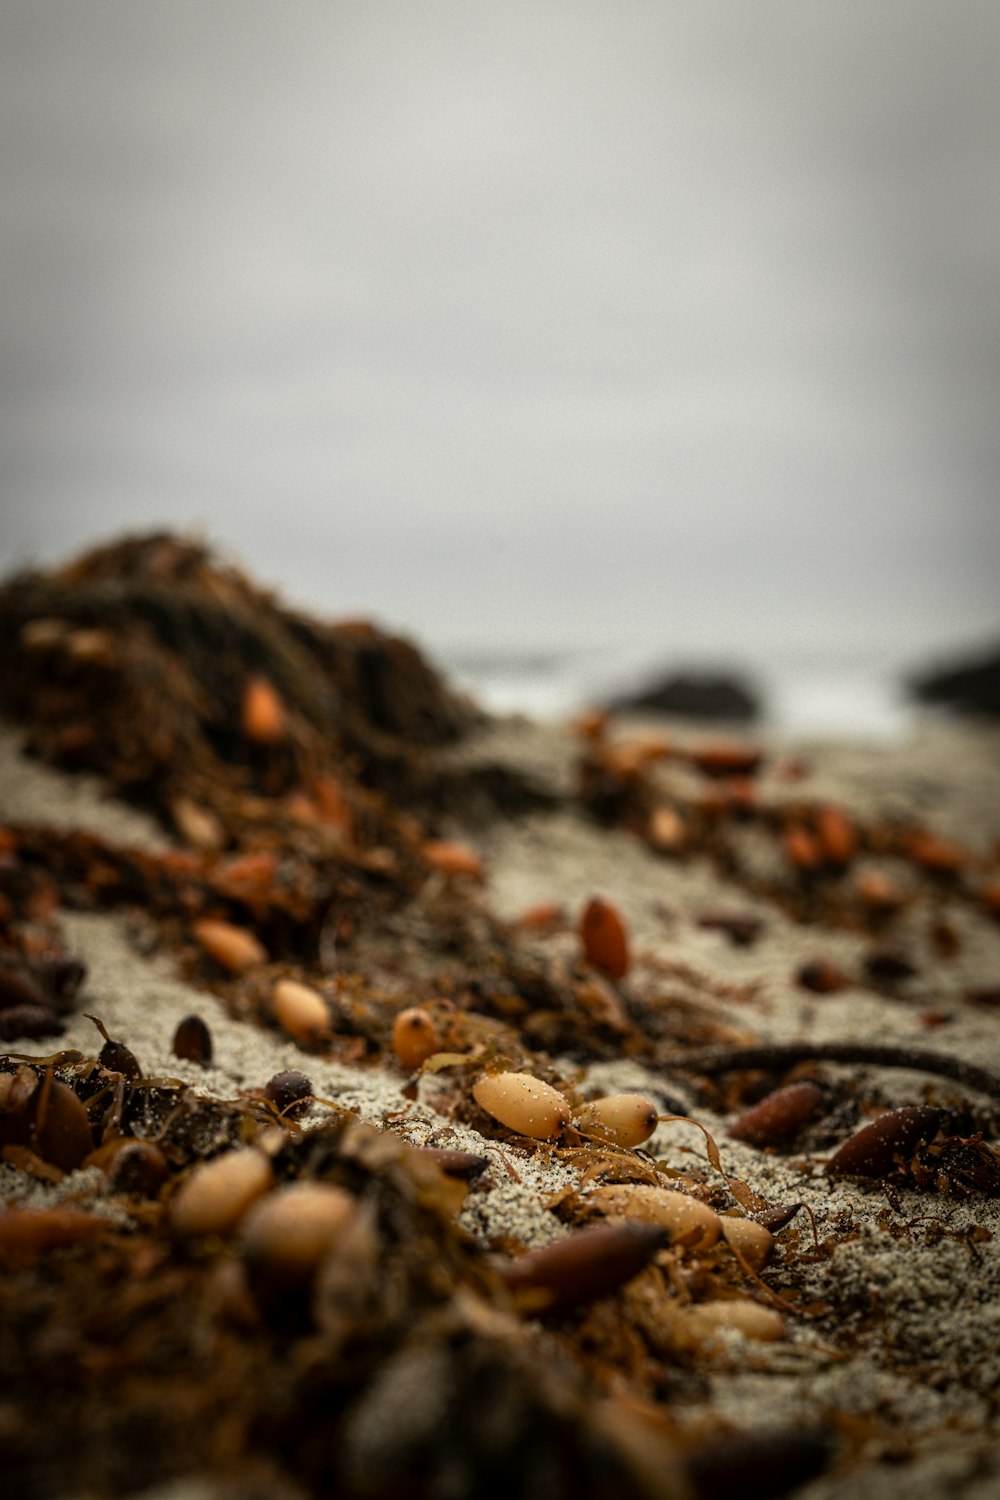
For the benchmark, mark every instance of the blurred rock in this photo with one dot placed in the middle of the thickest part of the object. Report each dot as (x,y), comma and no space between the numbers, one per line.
(692,695)
(970,687)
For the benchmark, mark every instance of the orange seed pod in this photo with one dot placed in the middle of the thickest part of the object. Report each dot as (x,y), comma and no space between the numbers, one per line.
(605,941)
(523,1103)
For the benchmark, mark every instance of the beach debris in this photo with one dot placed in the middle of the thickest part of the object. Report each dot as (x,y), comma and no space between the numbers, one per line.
(217,1194)
(288,1091)
(233,948)
(822,976)
(285,1234)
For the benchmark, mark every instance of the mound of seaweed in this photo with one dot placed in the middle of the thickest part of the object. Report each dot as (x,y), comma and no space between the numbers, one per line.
(194,692)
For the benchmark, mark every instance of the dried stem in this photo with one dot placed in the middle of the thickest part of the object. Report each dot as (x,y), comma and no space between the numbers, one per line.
(780,1055)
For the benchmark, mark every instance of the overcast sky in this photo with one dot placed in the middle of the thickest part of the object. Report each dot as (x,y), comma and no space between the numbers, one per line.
(566,321)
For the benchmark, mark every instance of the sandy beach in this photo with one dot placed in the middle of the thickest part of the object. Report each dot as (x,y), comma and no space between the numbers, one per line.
(886,1305)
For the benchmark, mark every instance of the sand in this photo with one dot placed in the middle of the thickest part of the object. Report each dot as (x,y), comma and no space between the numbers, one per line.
(921,1416)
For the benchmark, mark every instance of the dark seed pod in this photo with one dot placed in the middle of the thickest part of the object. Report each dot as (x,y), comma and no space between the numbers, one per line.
(758,1466)
(60,1131)
(138,1167)
(886,965)
(464,1164)
(17,989)
(117,1058)
(288,1091)
(874,1151)
(585,1265)
(604,938)
(193,1040)
(780,1117)
(32,1021)
(821,976)
(777,1216)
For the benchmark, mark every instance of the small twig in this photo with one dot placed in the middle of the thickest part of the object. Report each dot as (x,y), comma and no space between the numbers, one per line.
(780,1055)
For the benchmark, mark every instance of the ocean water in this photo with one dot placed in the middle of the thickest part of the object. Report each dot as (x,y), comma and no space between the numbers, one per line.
(809,697)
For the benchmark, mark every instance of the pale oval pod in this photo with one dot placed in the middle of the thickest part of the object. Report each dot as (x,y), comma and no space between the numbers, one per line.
(414,1037)
(623,1119)
(43,634)
(216,1195)
(751,1240)
(233,948)
(684,1218)
(739,1314)
(666,830)
(300,1011)
(287,1233)
(523,1103)
(451,858)
(197,825)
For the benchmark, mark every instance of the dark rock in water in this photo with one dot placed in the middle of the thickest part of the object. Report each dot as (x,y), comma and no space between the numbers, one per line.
(970,688)
(694,695)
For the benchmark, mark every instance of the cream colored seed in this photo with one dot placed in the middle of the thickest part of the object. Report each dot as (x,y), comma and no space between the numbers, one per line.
(300,1011)
(197,825)
(288,1232)
(684,1218)
(522,1103)
(234,948)
(624,1119)
(216,1195)
(752,1240)
(740,1315)
(414,1037)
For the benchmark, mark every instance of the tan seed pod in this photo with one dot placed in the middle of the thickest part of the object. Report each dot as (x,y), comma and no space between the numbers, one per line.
(300,1011)
(623,1119)
(414,1037)
(780,1116)
(233,948)
(216,1195)
(197,825)
(752,1240)
(666,831)
(262,713)
(740,1315)
(287,1233)
(684,1218)
(523,1103)
(837,837)
(43,634)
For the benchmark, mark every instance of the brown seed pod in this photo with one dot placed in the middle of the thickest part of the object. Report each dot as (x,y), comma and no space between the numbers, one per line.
(584,1265)
(523,1103)
(604,938)
(821,976)
(726,758)
(666,830)
(990,897)
(879,893)
(684,1219)
(286,1234)
(936,856)
(17,989)
(780,1117)
(623,1119)
(414,1037)
(193,1040)
(836,835)
(233,948)
(197,825)
(216,1195)
(463,1164)
(131,1165)
(117,1058)
(288,1091)
(262,714)
(300,1011)
(894,1136)
(801,848)
(451,858)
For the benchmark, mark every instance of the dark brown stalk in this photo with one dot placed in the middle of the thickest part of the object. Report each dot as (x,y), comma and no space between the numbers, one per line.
(777,1056)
